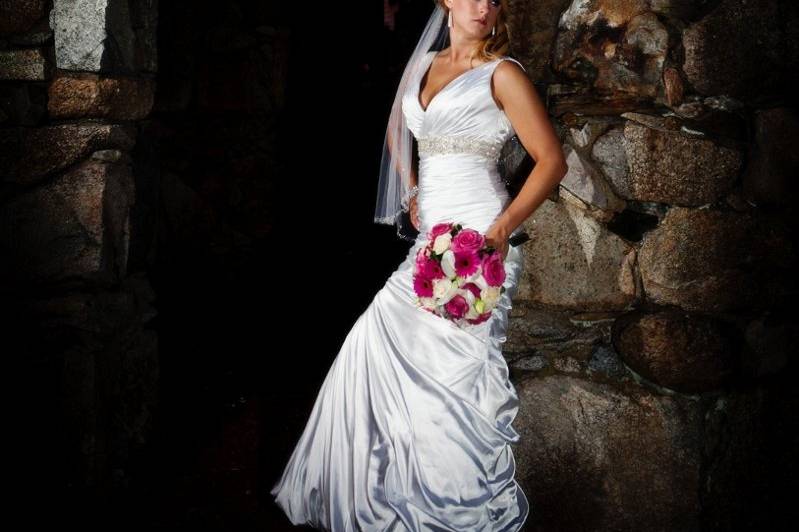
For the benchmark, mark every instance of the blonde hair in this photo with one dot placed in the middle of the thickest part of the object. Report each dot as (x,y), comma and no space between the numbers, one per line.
(494,46)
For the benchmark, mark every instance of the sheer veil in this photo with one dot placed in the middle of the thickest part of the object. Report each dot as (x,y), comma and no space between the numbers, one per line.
(395,165)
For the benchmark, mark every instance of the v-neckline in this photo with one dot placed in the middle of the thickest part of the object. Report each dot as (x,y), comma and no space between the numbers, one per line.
(444,88)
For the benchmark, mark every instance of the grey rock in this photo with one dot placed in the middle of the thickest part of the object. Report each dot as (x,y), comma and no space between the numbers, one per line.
(25,65)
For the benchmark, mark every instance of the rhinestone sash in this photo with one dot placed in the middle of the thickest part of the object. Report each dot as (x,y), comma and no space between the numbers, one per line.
(436,145)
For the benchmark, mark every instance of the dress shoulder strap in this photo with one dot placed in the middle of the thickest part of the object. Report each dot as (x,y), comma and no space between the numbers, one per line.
(507,58)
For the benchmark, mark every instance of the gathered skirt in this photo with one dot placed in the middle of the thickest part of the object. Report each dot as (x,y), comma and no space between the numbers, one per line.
(411,428)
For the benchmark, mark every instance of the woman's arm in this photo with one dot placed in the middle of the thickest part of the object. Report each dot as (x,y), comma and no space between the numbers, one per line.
(412,179)
(414,206)
(517,96)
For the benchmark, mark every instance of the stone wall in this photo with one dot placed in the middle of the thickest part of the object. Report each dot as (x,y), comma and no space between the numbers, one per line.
(76,79)
(138,156)
(650,339)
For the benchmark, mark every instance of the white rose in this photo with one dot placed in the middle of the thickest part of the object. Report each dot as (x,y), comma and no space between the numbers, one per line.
(472,312)
(448,263)
(467,295)
(428,302)
(442,242)
(490,295)
(444,290)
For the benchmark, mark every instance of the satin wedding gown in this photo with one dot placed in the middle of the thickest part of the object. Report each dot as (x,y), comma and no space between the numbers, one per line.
(412,425)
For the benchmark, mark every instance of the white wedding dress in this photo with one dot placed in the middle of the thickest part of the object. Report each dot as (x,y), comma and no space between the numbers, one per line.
(412,425)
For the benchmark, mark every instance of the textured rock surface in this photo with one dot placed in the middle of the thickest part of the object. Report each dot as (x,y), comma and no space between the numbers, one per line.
(74,228)
(25,65)
(17,16)
(105,35)
(678,350)
(668,167)
(754,56)
(604,451)
(715,261)
(573,261)
(91,96)
(29,154)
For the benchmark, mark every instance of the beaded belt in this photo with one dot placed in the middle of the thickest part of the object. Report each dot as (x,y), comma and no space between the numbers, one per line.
(440,145)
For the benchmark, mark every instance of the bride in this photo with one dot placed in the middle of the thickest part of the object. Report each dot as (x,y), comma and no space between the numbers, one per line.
(411,429)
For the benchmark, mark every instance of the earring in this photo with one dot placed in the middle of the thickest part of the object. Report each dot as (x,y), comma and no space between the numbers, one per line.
(494,30)
(449,19)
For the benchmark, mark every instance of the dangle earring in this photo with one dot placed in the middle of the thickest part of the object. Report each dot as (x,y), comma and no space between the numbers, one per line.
(449,19)
(494,30)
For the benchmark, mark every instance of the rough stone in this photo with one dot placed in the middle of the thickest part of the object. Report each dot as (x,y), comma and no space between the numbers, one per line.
(532,28)
(75,228)
(749,60)
(104,35)
(715,261)
(669,167)
(585,181)
(92,96)
(603,450)
(29,154)
(573,261)
(684,352)
(770,176)
(615,47)
(17,16)
(26,65)
(24,104)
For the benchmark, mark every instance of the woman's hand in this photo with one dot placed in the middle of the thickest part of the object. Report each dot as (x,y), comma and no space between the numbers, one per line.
(414,210)
(497,238)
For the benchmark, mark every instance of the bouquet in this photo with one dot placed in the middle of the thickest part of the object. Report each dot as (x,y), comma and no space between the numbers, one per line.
(457,275)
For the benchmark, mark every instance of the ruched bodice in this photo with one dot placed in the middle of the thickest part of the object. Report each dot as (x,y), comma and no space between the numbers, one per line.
(462,108)
(460,136)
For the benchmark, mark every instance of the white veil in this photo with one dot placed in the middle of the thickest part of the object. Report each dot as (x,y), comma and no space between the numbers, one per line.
(395,165)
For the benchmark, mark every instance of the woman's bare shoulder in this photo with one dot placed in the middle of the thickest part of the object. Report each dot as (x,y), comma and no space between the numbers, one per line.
(510,67)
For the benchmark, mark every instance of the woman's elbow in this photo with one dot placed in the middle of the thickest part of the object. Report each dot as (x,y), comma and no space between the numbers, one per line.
(560,165)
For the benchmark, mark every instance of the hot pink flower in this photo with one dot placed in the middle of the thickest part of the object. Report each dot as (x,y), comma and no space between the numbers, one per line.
(457,306)
(432,269)
(494,269)
(423,286)
(467,240)
(466,263)
(428,267)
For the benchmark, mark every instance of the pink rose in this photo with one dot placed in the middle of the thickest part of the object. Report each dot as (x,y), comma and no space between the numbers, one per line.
(421,256)
(494,269)
(467,240)
(481,318)
(439,229)
(473,288)
(457,306)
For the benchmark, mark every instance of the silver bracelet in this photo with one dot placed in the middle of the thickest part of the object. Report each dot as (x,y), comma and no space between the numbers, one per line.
(410,194)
